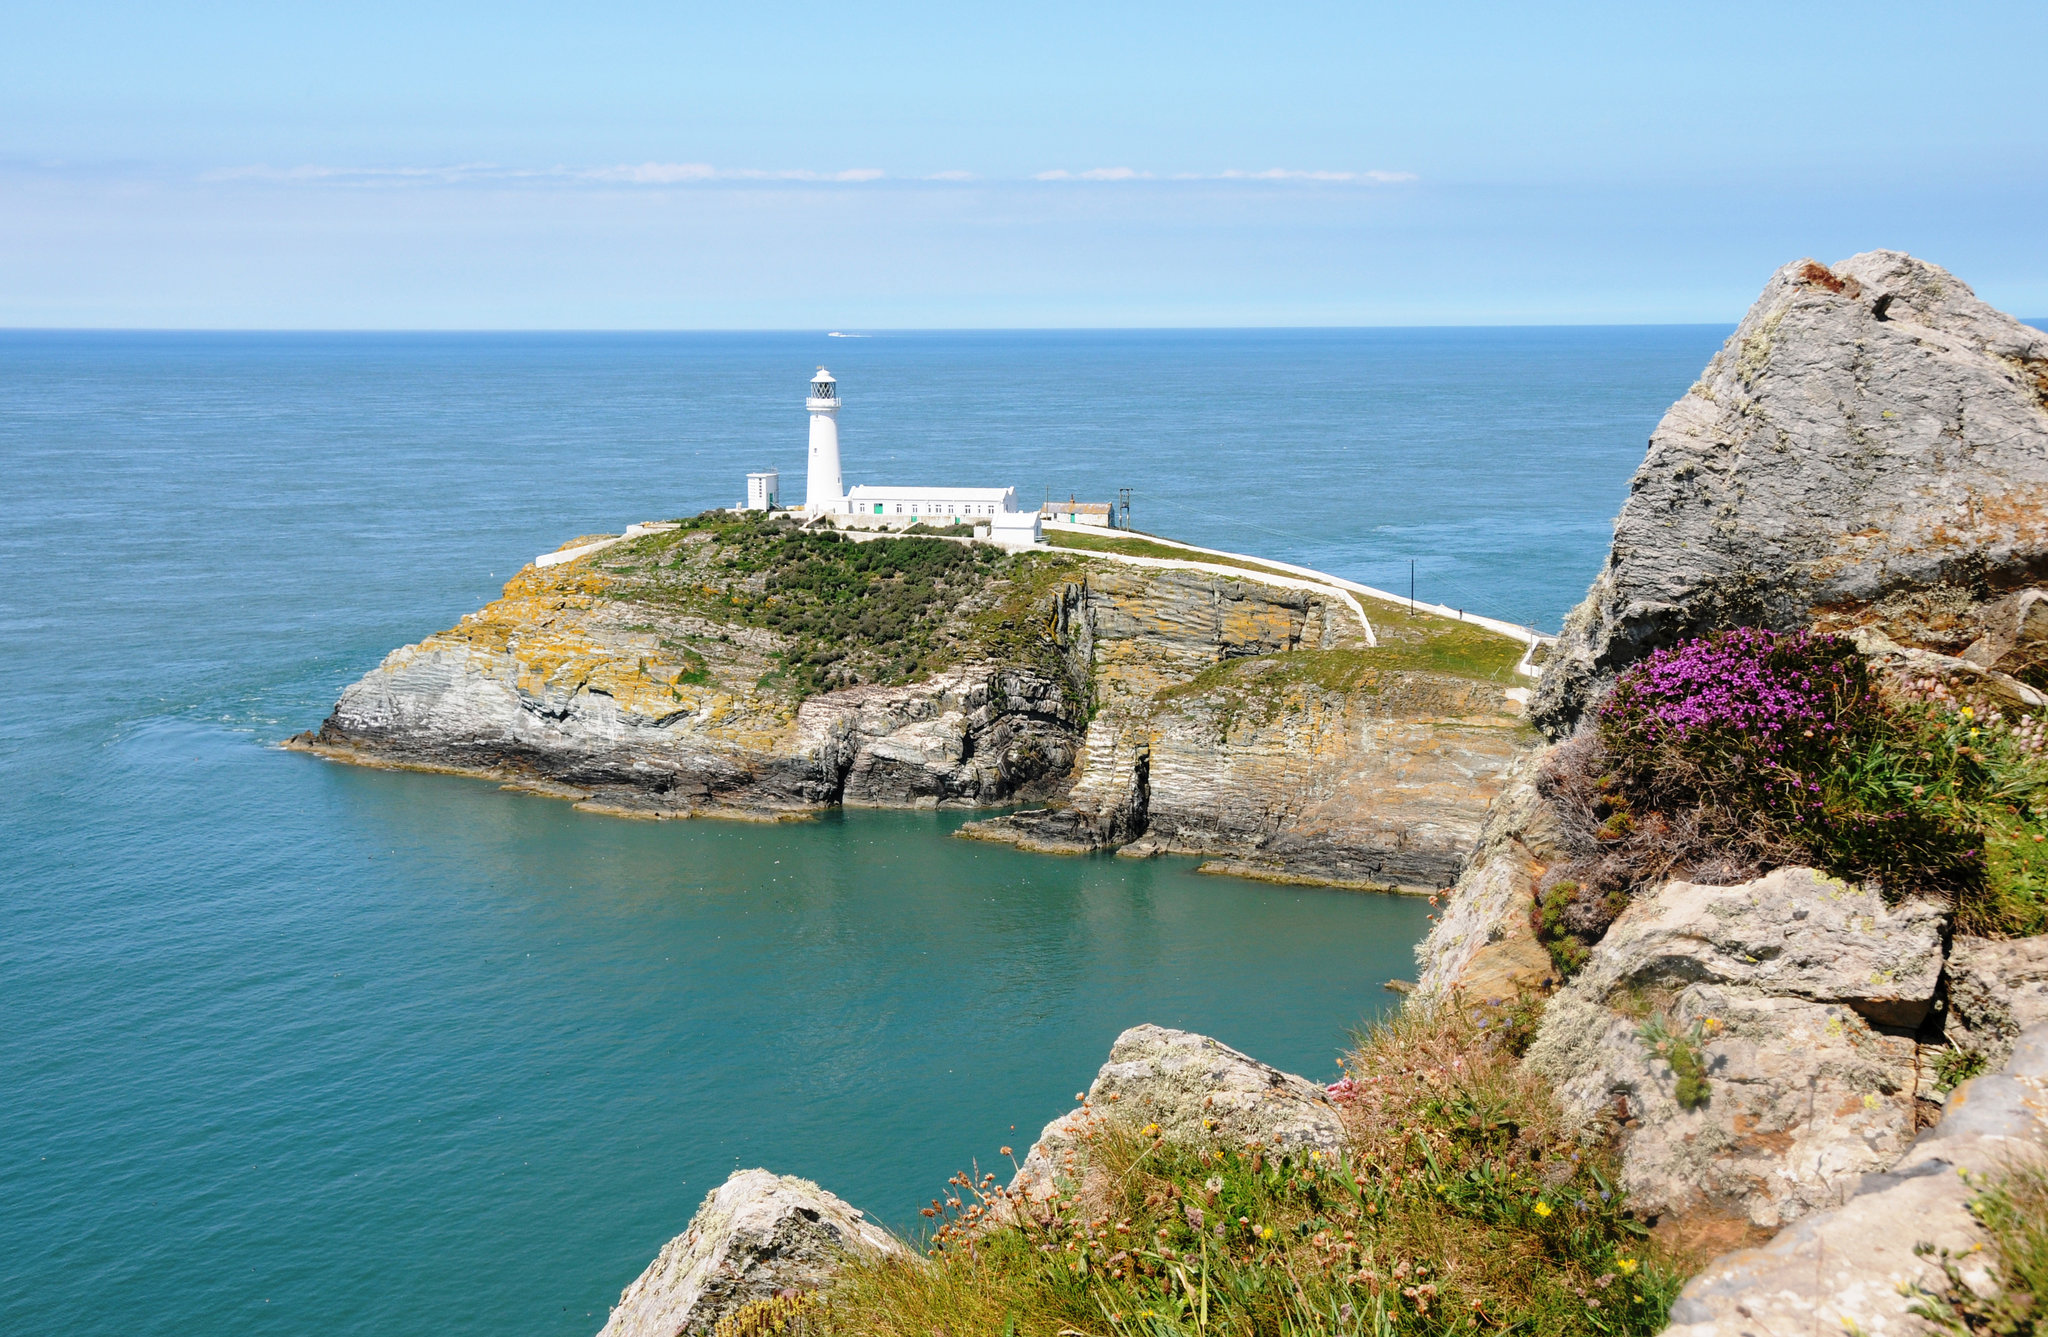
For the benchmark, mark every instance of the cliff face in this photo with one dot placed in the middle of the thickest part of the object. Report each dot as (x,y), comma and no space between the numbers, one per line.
(592,681)
(1868,449)
(1867,454)
(1279,746)
(725,668)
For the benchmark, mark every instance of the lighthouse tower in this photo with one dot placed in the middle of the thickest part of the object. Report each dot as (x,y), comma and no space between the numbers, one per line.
(822,487)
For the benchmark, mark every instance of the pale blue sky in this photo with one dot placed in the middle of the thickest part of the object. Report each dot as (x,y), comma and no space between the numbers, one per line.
(473,166)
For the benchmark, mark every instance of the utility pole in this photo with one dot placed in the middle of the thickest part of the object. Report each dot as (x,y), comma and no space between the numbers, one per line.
(1123,501)
(1411,584)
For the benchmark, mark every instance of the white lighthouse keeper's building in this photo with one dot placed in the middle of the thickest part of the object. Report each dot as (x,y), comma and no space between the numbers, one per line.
(823,490)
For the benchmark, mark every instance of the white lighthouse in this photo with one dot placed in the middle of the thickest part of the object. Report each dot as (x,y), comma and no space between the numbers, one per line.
(822,486)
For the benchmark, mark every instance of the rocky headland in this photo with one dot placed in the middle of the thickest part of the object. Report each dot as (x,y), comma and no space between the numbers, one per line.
(1735,1020)
(1867,452)
(741,667)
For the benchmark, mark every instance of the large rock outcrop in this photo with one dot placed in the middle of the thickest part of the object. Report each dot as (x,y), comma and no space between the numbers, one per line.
(1804,992)
(1996,990)
(1854,1268)
(1869,448)
(756,1236)
(1196,1092)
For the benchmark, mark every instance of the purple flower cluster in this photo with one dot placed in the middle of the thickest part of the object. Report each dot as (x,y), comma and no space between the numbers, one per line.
(1747,685)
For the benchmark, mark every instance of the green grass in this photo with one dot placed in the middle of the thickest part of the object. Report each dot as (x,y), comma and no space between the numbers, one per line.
(1424,646)
(1460,1204)
(2013,1209)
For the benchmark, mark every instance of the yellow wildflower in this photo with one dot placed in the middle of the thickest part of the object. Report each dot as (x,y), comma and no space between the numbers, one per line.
(1625,1266)
(1542,1207)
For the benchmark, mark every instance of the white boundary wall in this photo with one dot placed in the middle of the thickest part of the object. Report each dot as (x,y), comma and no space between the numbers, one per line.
(585,549)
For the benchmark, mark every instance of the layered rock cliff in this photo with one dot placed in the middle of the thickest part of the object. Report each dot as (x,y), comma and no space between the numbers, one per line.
(731,667)
(1868,449)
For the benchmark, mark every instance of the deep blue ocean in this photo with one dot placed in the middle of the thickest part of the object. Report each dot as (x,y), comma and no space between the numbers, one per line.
(291,1047)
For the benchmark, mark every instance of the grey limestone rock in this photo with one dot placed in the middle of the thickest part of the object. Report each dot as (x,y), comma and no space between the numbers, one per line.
(1199,1091)
(1852,1268)
(756,1234)
(1870,447)
(1996,989)
(1106,807)
(1793,932)
(1802,982)
(1482,944)
(977,734)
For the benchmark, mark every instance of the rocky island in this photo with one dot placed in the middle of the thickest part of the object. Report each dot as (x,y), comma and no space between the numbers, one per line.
(732,665)
(1735,1022)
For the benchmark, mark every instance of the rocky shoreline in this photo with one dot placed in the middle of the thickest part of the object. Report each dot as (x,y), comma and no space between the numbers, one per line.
(1147,711)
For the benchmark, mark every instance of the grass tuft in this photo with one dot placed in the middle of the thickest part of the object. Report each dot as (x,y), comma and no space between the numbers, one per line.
(2013,1209)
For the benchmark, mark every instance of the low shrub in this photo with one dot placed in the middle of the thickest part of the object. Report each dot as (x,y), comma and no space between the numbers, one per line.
(1686,1052)
(1748,749)
(1954,1066)
(1460,1205)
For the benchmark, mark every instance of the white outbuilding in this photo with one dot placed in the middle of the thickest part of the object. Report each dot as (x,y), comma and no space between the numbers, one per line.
(763,491)
(931,505)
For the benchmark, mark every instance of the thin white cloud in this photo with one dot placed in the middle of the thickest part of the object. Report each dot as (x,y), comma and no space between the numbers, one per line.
(1296,174)
(1374,177)
(663,173)
(639,174)
(697,173)
(455,172)
(655,173)
(1094,174)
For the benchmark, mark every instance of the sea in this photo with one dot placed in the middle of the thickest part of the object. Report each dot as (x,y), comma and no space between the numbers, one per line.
(293,1047)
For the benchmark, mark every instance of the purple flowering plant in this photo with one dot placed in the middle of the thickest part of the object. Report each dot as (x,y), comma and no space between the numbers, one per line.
(1746,700)
(1787,736)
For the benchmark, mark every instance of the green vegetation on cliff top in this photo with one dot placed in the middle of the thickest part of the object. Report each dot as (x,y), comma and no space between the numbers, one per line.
(897,609)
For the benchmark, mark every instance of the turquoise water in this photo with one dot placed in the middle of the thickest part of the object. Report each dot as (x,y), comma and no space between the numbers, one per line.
(289,1046)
